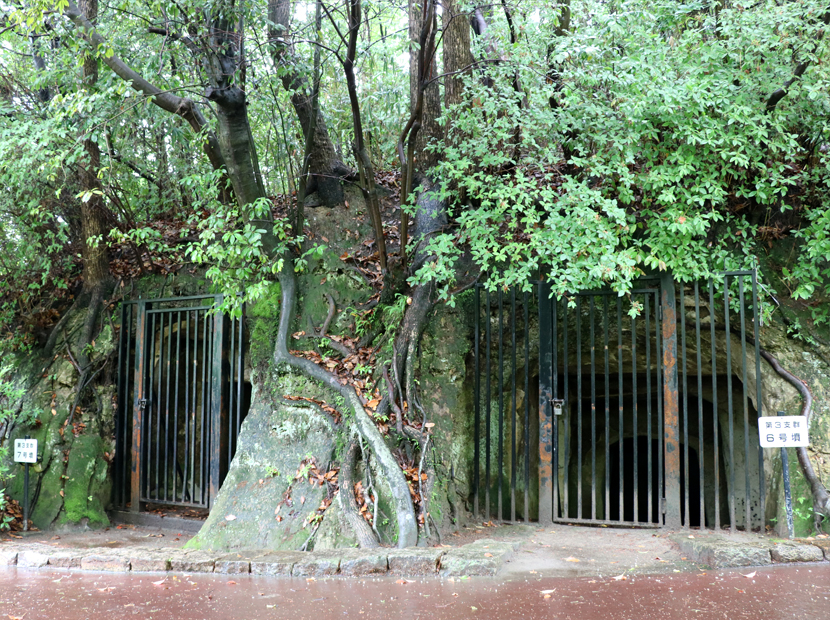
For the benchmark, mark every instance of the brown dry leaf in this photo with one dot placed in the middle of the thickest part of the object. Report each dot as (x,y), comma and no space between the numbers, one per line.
(572,559)
(231,583)
(488,555)
(373,404)
(402,581)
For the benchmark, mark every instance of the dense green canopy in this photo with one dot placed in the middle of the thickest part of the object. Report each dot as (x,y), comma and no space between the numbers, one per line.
(591,141)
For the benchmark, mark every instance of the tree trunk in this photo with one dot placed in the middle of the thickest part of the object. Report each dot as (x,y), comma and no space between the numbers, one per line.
(457,56)
(96,262)
(325,168)
(429,131)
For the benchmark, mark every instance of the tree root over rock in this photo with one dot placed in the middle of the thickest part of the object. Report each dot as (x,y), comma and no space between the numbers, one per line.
(821,498)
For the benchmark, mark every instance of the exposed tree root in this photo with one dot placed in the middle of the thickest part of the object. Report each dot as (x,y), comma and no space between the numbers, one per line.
(348,504)
(401,500)
(821,498)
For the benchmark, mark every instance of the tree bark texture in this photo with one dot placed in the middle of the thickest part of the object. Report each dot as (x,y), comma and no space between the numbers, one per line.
(457,55)
(324,166)
(429,131)
(96,262)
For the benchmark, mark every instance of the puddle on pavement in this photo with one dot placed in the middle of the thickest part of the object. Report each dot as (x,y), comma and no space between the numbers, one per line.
(801,592)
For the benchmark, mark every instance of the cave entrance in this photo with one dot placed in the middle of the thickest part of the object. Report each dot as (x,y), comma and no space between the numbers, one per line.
(647,405)
(182,397)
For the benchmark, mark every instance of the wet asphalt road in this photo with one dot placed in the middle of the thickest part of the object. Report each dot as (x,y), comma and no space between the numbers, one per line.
(801,592)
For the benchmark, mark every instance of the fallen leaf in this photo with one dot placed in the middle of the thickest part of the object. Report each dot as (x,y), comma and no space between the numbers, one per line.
(572,559)
(548,591)
(547,596)
(620,578)
(488,555)
(107,589)
(230,518)
(231,583)
(751,575)
(402,581)
(158,583)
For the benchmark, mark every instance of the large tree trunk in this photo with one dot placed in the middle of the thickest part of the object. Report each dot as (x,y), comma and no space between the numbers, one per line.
(96,262)
(430,130)
(457,56)
(324,166)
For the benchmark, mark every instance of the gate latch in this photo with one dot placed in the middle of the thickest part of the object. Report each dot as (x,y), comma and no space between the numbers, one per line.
(557,403)
(142,403)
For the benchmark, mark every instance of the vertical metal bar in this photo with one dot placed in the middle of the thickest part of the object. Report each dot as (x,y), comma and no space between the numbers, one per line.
(554,376)
(670,452)
(756,329)
(487,406)
(546,447)
(685,410)
(568,431)
(219,413)
(231,394)
(186,457)
(658,346)
(176,402)
(196,408)
(744,392)
(607,429)
(204,417)
(240,379)
(121,413)
(477,399)
(526,434)
(579,406)
(513,411)
(500,499)
(732,525)
(169,339)
(700,448)
(620,427)
(650,487)
(153,406)
(594,500)
(138,406)
(635,422)
(715,425)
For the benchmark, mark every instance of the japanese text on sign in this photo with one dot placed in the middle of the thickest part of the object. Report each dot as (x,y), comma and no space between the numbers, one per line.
(783,431)
(25,450)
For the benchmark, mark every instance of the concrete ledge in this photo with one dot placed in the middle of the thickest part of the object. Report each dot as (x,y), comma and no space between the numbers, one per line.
(232,565)
(414,561)
(8,557)
(149,563)
(192,562)
(106,562)
(32,559)
(67,558)
(796,552)
(724,552)
(482,558)
(275,564)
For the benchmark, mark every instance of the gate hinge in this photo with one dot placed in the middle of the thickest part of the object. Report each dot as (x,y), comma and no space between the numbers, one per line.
(142,403)
(663,505)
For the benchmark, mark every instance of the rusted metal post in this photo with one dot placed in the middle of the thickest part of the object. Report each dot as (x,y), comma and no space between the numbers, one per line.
(139,404)
(546,452)
(671,414)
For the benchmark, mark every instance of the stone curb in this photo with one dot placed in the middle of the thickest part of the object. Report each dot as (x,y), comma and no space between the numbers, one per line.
(725,551)
(482,558)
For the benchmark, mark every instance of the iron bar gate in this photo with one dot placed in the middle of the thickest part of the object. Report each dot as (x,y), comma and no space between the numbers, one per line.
(647,405)
(181,401)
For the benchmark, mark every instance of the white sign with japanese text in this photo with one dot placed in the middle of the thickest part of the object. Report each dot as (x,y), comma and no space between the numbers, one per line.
(788,431)
(25,450)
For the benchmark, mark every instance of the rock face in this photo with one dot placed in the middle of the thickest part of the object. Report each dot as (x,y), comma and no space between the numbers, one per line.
(261,503)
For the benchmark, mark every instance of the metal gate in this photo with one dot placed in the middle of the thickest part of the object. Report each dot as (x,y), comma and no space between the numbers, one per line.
(181,401)
(647,405)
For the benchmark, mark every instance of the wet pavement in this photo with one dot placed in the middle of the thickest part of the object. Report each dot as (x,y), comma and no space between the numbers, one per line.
(772,593)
